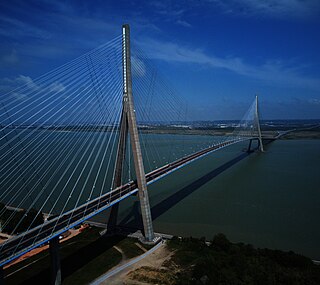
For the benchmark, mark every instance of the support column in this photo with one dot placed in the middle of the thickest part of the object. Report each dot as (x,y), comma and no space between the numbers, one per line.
(113,219)
(249,147)
(55,261)
(2,282)
(134,136)
(257,121)
(123,135)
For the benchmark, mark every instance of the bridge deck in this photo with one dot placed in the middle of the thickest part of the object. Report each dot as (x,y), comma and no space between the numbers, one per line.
(33,238)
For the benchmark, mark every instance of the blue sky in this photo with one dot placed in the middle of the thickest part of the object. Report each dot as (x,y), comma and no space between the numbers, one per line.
(217,53)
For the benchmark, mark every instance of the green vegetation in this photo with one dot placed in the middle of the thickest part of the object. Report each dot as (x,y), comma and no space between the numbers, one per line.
(25,220)
(303,134)
(106,258)
(129,247)
(89,269)
(83,258)
(185,131)
(151,275)
(223,262)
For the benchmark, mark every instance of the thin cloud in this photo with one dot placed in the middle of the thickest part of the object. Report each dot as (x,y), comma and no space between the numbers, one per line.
(138,67)
(56,87)
(167,8)
(21,86)
(63,33)
(19,81)
(18,87)
(274,71)
(184,24)
(11,58)
(314,101)
(270,8)
(14,28)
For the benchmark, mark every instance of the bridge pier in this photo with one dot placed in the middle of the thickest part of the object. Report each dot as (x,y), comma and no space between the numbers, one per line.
(128,108)
(249,146)
(128,125)
(113,218)
(55,261)
(2,282)
(260,145)
(257,122)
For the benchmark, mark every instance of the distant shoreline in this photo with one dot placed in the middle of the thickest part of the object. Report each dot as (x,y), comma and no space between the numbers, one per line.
(303,134)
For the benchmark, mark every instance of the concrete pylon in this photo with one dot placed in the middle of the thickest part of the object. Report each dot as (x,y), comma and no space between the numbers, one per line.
(2,282)
(55,261)
(123,136)
(257,123)
(128,125)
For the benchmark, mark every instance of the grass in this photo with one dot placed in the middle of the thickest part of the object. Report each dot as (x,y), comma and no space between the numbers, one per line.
(83,258)
(94,268)
(130,248)
(152,275)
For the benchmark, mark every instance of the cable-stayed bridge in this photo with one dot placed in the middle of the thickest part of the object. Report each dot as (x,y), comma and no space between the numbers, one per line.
(81,138)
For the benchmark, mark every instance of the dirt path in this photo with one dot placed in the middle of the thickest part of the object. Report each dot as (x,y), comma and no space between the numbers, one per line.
(140,246)
(155,260)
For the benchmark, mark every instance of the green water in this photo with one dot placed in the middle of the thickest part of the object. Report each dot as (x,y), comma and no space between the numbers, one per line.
(268,199)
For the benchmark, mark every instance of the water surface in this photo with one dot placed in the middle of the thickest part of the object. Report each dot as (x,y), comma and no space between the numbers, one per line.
(268,199)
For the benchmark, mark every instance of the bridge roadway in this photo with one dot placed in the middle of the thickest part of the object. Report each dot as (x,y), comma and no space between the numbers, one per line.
(41,234)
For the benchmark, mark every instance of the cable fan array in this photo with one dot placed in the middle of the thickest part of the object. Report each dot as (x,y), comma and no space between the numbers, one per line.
(162,116)
(58,136)
(248,127)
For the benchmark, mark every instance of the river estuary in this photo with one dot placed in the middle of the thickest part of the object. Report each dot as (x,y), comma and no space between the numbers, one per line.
(269,199)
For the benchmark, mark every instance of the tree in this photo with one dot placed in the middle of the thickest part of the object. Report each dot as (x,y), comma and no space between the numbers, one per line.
(220,242)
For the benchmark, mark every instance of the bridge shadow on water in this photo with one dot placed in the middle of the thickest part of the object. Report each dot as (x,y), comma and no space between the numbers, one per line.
(134,221)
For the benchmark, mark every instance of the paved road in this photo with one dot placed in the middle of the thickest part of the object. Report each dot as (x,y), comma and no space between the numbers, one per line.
(124,266)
